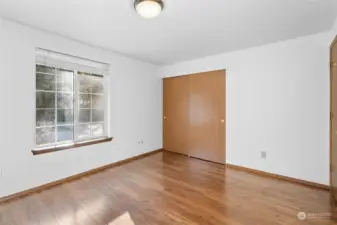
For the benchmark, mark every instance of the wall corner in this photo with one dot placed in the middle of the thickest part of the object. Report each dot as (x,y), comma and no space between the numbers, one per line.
(1,23)
(334,27)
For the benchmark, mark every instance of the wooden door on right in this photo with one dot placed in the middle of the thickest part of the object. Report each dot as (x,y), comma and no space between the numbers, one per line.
(207,120)
(333,120)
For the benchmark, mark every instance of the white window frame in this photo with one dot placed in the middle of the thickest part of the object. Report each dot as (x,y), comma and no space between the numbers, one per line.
(76,108)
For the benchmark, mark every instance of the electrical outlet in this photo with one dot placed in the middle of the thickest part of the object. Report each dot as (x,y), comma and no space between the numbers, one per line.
(263,154)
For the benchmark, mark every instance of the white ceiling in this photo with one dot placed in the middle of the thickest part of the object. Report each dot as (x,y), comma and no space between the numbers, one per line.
(187,29)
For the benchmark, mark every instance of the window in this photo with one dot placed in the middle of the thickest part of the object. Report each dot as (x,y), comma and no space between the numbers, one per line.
(71,100)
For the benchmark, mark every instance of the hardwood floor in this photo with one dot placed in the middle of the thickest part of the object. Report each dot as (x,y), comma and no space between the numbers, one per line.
(167,188)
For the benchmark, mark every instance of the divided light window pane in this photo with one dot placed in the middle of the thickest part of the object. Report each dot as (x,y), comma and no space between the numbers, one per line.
(54,105)
(91,106)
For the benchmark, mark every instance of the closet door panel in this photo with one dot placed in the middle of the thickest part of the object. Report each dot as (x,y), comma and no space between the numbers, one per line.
(207,116)
(176,113)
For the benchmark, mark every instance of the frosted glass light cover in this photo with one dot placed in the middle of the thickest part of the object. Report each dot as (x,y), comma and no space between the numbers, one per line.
(148,9)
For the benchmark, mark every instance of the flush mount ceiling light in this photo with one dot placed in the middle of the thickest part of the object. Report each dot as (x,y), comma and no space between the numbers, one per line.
(149,8)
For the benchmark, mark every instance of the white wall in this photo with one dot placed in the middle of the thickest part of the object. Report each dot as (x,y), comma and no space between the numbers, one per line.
(278,102)
(334,29)
(136,104)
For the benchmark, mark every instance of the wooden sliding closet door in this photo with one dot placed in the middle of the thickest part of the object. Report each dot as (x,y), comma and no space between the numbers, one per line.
(333,121)
(194,115)
(207,116)
(176,113)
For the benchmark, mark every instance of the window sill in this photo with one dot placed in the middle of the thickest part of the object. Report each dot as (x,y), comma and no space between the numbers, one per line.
(66,147)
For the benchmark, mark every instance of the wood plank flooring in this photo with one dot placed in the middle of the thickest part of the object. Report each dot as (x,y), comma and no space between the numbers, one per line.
(167,188)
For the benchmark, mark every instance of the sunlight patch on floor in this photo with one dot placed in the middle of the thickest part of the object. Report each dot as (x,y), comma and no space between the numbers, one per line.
(124,219)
